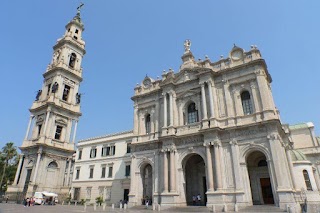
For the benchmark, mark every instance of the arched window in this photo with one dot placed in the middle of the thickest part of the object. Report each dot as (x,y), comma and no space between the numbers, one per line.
(148,123)
(72,61)
(246,103)
(53,165)
(307,180)
(192,113)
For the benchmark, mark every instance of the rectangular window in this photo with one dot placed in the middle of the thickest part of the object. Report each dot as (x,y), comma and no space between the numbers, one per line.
(77,31)
(39,129)
(91,172)
(77,173)
(66,92)
(49,87)
(127,170)
(80,155)
(58,133)
(93,152)
(128,147)
(113,150)
(103,172)
(104,151)
(110,172)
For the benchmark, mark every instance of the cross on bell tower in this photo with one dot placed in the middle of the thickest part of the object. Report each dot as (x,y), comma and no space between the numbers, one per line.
(49,144)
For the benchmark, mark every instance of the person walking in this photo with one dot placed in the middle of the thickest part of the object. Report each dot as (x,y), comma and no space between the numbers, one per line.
(199,199)
(194,200)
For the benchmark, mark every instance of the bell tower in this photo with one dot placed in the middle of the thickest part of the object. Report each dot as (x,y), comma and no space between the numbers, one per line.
(49,145)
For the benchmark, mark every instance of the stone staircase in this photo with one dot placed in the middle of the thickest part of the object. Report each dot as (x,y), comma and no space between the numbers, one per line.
(249,209)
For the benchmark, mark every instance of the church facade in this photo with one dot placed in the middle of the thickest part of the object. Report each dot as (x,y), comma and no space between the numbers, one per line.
(46,160)
(212,129)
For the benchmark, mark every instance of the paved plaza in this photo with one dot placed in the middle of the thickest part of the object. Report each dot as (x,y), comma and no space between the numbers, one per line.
(17,208)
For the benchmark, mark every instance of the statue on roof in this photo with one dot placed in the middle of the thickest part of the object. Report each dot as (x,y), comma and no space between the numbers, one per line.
(187,44)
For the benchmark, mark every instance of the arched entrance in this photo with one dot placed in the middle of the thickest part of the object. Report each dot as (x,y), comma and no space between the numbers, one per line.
(261,187)
(147,180)
(195,176)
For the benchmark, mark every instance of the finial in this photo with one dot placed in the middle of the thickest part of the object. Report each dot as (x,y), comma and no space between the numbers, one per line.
(187,44)
(234,45)
(221,56)
(79,8)
(206,57)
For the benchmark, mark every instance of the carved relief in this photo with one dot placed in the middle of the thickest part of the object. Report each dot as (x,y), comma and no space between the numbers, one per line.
(189,140)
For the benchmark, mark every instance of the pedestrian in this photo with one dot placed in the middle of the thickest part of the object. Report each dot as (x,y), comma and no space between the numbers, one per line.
(7,198)
(198,199)
(194,200)
(147,203)
(28,202)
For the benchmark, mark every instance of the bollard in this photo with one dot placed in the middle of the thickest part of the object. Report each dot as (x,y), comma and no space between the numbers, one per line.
(94,207)
(112,206)
(75,203)
(236,207)
(125,206)
(213,208)
(69,203)
(103,206)
(85,206)
(153,207)
(225,208)
(120,205)
(159,207)
(62,202)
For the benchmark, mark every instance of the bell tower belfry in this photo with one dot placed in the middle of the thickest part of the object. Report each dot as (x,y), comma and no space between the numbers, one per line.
(46,161)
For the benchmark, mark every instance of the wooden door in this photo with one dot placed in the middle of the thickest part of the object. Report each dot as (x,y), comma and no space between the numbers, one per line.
(266,190)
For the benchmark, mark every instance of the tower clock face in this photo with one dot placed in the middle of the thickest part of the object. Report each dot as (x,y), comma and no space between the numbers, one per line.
(147,83)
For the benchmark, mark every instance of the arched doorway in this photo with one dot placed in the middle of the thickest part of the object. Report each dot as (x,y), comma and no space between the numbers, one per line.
(195,176)
(147,180)
(261,187)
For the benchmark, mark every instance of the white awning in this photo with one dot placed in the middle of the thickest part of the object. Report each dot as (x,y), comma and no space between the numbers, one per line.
(49,194)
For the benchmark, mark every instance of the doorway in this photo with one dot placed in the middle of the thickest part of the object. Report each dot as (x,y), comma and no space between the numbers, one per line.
(259,178)
(195,177)
(147,184)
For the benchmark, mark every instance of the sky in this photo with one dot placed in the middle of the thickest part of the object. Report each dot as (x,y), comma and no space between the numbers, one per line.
(127,40)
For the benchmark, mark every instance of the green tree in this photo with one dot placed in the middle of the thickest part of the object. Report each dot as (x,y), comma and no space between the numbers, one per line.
(8,157)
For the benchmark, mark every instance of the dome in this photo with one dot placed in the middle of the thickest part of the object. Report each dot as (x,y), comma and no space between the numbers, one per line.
(298,156)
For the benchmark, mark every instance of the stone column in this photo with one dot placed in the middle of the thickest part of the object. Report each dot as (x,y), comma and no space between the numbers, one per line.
(165,171)
(29,125)
(229,105)
(68,172)
(236,165)
(135,120)
(18,170)
(133,176)
(209,167)
(264,90)
(211,100)
(172,172)
(46,124)
(237,103)
(217,145)
(204,102)
(294,183)
(165,113)
(317,179)
(255,98)
(37,165)
(279,162)
(75,131)
(171,109)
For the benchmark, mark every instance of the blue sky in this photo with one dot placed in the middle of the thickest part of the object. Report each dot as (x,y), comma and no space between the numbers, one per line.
(125,40)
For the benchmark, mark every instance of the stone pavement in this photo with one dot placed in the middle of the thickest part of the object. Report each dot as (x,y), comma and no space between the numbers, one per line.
(18,208)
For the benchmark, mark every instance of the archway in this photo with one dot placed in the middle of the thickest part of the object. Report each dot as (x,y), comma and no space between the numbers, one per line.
(261,187)
(195,176)
(147,180)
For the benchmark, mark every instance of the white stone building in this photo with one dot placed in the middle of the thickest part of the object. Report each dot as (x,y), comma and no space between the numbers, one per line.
(102,168)
(211,129)
(46,161)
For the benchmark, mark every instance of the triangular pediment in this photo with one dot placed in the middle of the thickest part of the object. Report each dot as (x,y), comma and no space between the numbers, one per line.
(187,93)
(185,75)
